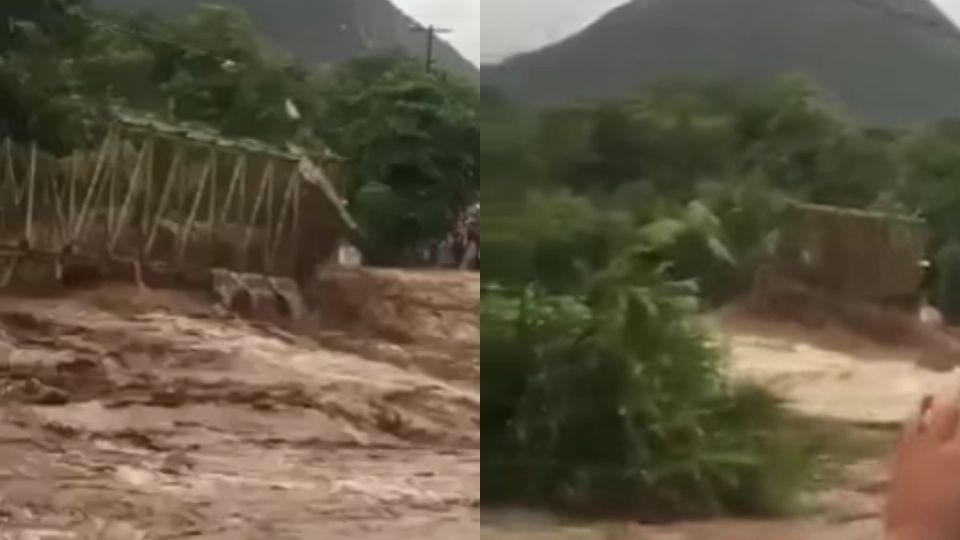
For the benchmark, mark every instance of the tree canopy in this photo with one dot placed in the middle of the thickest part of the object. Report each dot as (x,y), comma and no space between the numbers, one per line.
(408,136)
(611,225)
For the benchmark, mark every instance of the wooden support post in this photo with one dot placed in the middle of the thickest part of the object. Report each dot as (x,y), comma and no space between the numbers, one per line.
(133,190)
(95,209)
(146,206)
(112,173)
(181,191)
(164,201)
(183,174)
(194,209)
(273,250)
(9,174)
(31,195)
(267,178)
(72,191)
(9,181)
(12,175)
(239,172)
(9,271)
(93,189)
(59,193)
(268,228)
(244,195)
(213,223)
(296,233)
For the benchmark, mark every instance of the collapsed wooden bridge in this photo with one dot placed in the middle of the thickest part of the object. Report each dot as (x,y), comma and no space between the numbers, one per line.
(170,199)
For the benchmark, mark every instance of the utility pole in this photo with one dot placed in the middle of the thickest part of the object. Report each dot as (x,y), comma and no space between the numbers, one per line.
(431,32)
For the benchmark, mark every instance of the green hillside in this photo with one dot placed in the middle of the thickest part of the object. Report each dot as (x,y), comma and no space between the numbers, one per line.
(889,61)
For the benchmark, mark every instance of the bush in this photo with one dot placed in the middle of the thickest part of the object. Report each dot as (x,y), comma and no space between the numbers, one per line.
(612,400)
(741,215)
(553,238)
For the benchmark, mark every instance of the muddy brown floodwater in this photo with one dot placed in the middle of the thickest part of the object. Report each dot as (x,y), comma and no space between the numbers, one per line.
(132,415)
(147,422)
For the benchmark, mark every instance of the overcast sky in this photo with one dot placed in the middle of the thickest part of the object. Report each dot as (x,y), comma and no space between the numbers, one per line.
(504,27)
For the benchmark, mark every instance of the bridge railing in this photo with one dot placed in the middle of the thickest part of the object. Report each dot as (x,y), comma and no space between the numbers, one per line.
(156,197)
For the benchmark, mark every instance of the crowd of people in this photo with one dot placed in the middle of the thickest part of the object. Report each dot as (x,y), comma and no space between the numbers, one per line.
(471,226)
(461,248)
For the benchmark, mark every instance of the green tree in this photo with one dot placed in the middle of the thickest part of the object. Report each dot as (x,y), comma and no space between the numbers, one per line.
(607,395)
(216,70)
(411,141)
(39,97)
(805,147)
(410,137)
(32,21)
(63,66)
(931,177)
(506,157)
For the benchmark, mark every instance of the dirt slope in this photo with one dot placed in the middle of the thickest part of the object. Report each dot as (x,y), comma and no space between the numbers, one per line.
(136,419)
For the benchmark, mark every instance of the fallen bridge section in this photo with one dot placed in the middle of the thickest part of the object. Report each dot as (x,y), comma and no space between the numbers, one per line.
(170,196)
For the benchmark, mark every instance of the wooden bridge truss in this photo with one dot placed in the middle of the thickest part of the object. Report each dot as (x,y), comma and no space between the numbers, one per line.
(156,194)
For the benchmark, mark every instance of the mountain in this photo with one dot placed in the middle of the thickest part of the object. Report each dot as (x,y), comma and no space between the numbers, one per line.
(889,61)
(321,31)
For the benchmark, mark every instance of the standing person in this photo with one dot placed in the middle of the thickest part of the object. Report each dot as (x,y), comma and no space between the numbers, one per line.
(471,257)
(458,239)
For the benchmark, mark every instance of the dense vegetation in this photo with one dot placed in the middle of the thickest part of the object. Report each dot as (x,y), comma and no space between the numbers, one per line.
(407,136)
(610,227)
(608,397)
